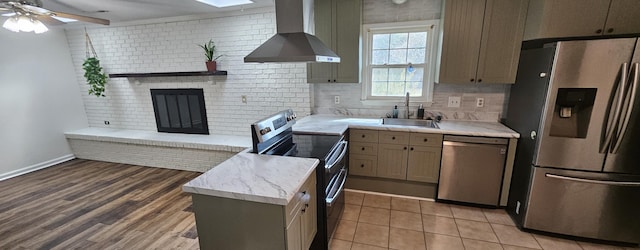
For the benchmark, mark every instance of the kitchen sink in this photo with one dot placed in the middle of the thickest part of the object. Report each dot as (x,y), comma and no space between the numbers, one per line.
(410,122)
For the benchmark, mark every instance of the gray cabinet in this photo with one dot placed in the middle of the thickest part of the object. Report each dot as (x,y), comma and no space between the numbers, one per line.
(227,223)
(580,18)
(337,24)
(395,155)
(481,41)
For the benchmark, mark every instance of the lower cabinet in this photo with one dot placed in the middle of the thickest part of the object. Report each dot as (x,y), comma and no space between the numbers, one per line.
(227,223)
(424,164)
(395,155)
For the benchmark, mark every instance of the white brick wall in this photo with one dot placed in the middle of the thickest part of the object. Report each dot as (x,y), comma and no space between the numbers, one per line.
(172,46)
(188,159)
(379,11)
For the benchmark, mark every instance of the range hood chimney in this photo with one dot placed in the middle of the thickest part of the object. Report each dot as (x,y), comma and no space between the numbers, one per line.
(291,43)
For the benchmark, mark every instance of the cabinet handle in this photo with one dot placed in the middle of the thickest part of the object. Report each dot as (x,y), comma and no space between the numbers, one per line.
(361,165)
(393,138)
(472,79)
(411,148)
(479,80)
(329,80)
(610,30)
(362,148)
(598,31)
(334,80)
(426,140)
(362,136)
(405,148)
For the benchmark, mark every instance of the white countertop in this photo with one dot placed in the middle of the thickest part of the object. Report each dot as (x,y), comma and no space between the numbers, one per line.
(336,125)
(252,177)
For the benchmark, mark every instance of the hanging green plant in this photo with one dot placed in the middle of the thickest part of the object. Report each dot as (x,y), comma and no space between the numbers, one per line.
(96,78)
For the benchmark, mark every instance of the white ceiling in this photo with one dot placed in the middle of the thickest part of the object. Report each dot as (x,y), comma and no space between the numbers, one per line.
(134,10)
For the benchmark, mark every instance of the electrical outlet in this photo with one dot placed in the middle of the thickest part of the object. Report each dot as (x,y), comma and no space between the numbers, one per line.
(336,99)
(244,99)
(454,102)
(479,102)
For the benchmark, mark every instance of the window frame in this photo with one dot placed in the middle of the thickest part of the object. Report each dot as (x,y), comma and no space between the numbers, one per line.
(368,30)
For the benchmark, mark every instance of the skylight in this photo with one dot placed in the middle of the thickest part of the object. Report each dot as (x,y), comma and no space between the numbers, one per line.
(225,3)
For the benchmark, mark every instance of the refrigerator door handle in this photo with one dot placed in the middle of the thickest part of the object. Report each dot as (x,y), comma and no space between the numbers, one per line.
(590,181)
(618,101)
(634,88)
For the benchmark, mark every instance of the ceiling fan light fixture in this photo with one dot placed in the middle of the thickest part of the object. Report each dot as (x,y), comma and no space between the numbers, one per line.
(12,24)
(25,24)
(39,27)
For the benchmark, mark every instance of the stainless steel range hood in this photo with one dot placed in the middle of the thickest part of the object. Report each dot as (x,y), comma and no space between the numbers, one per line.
(291,43)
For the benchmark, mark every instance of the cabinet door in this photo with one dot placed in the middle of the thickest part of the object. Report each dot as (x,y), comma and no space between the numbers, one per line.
(623,18)
(347,40)
(309,218)
(565,18)
(294,239)
(392,161)
(461,40)
(322,72)
(364,165)
(424,164)
(501,41)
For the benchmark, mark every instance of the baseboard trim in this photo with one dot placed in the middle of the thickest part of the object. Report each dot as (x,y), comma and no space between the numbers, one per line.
(36,167)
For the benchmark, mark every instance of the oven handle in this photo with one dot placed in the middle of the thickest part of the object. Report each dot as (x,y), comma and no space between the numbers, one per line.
(329,166)
(330,200)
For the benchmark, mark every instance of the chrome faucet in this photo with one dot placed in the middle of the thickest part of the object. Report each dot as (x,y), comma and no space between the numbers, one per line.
(406,105)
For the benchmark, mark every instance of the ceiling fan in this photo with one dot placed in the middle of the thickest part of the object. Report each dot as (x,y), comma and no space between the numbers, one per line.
(28,16)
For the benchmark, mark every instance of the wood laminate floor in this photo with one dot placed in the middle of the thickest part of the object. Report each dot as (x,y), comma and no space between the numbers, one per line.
(82,204)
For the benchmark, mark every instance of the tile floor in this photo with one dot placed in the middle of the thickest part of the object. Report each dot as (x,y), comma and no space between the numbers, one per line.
(373,221)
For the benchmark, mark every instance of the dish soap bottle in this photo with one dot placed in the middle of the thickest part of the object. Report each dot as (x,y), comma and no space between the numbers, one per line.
(395,111)
(420,112)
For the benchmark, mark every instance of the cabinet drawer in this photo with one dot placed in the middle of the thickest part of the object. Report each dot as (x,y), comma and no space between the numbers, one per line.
(427,140)
(361,135)
(390,137)
(364,165)
(363,148)
(295,205)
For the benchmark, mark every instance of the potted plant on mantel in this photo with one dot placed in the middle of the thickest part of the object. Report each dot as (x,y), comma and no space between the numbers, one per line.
(209,51)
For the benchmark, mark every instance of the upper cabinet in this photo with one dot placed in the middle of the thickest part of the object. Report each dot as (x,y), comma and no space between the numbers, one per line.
(580,18)
(337,24)
(481,41)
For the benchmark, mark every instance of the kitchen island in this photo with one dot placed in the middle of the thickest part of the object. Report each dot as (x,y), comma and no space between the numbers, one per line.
(253,201)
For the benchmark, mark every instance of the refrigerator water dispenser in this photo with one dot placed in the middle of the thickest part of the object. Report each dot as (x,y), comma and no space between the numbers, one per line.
(572,112)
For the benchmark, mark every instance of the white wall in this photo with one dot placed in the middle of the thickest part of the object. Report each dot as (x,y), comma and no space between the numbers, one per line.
(39,99)
(378,11)
(172,46)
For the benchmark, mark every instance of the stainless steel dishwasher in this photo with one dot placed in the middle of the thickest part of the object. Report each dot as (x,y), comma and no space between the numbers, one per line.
(472,169)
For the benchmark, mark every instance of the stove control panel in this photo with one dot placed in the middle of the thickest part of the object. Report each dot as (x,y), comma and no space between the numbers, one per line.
(273,125)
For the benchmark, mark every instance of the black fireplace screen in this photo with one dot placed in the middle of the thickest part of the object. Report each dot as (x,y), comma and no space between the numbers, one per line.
(180,111)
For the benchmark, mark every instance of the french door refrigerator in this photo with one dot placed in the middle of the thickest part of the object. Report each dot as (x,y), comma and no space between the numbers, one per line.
(577,167)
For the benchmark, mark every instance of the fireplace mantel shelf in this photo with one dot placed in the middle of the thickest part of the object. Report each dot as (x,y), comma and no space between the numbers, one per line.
(169,74)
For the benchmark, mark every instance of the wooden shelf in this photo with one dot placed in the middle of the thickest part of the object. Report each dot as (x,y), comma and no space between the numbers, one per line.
(169,74)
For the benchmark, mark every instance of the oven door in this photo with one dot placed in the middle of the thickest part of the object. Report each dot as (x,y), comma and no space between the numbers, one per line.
(335,199)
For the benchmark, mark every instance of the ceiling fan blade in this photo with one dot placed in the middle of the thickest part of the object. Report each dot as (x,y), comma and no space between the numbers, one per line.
(34,9)
(48,20)
(82,18)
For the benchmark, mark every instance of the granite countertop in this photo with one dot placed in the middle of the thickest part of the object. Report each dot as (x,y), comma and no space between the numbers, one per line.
(337,125)
(252,177)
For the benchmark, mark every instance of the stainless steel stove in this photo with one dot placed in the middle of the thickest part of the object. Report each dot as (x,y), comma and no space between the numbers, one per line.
(274,135)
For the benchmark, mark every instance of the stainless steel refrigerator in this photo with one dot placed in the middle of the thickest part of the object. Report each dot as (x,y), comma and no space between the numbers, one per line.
(577,167)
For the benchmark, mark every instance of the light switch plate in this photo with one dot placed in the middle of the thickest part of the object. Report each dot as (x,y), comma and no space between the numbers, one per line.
(244,99)
(454,102)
